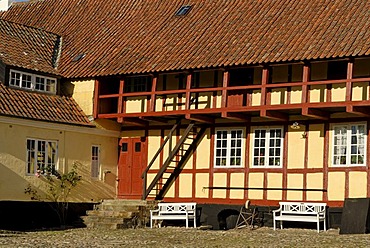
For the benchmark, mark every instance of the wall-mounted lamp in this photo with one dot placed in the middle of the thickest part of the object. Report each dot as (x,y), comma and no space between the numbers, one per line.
(304,135)
(295,125)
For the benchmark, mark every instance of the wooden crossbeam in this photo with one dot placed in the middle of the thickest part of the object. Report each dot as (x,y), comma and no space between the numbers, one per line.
(358,110)
(236,116)
(154,119)
(200,118)
(315,113)
(135,121)
(274,115)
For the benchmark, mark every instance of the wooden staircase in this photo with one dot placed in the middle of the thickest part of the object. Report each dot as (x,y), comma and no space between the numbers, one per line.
(175,162)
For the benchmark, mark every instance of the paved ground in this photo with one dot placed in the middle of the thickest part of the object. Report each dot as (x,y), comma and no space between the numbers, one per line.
(182,237)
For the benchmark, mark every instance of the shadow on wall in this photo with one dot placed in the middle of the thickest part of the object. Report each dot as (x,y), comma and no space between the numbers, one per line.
(19,212)
(93,190)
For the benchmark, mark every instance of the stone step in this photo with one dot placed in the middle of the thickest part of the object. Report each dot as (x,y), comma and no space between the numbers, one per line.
(119,214)
(113,207)
(107,213)
(125,202)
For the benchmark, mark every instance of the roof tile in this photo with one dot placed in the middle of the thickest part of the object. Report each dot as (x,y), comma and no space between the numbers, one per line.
(30,105)
(141,36)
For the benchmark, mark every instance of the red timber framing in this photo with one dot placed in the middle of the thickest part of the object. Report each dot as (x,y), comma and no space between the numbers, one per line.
(247,170)
(310,112)
(275,111)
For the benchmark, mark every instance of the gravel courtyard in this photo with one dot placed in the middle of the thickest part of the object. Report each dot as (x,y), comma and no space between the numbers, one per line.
(182,237)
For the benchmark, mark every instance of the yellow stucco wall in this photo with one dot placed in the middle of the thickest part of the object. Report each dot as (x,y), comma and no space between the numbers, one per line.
(255,181)
(186,185)
(274,180)
(338,93)
(357,184)
(83,94)
(74,145)
(295,181)
(279,96)
(203,151)
(201,181)
(360,91)
(315,146)
(237,180)
(136,104)
(314,181)
(219,180)
(296,95)
(154,142)
(336,186)
(296,148)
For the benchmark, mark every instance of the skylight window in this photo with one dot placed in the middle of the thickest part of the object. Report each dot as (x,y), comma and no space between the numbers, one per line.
(79,57)
(183,10)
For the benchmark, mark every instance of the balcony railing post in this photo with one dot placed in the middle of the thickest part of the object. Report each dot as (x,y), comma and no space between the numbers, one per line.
(225,84)
(120,99)
(305,79)
(349,82)
(264,81)
(188,87)
(96,98)
(152,95)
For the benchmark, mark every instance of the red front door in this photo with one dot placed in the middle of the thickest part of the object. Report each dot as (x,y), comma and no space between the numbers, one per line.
(131,164)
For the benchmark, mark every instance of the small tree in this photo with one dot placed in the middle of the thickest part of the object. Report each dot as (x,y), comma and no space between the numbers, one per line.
(57,190)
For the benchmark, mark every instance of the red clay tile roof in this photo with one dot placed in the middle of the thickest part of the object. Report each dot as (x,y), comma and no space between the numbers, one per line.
(28,47)
(29,105)
(126,36)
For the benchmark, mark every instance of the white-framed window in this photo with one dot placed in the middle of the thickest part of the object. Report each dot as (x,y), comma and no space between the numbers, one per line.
(229,148)
(268,147)
(349,145)
(32,81)
(95,161)
(42,156)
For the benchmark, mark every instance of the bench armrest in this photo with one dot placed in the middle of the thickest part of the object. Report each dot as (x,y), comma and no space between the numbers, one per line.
(277,210)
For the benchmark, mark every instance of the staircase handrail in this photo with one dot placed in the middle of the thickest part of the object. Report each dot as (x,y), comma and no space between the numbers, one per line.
(146,190)
(160,149)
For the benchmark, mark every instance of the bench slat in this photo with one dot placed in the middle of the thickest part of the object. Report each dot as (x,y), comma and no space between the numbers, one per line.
(174,211)
(300,211)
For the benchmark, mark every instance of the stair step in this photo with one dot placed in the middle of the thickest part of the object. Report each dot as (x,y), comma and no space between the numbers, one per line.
(105,213)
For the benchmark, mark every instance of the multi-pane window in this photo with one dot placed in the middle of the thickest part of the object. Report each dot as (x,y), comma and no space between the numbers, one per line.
(349,145)
(41,156)
(95,161)
(228,148)
(32,82)
(137,84)
(268,147)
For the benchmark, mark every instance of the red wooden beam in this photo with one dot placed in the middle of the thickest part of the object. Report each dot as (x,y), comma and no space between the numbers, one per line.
(120,99)
(188,87)
(358,110)
(315,113)
(305,79)
(349,83)
(96,99)
(152,93)
(274,115)
(236,116)
(135,121)
(225,83)
(200,118)
(264,82)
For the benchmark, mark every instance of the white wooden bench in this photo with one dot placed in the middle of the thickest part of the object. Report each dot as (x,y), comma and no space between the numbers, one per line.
(300,211)
(174,211)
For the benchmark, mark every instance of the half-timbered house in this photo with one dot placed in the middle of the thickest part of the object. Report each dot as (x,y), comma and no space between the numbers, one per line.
(222,101)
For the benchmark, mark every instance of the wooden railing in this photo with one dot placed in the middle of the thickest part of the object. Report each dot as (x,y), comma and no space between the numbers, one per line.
(223,92)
